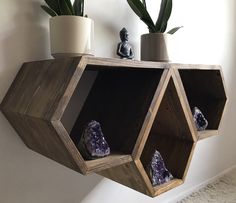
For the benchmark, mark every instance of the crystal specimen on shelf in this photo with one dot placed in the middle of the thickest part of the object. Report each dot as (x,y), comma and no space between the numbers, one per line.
(199,119)
(158,171)
(92,143)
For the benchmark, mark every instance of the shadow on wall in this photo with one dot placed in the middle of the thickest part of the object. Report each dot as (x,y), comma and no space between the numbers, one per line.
(25,39)
(109,22)
(26,176)
(29,177)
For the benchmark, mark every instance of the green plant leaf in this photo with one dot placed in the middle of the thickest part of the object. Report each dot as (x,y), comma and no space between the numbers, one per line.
(161,14)
(136,6)
(144,3)
(163,28)
(49,10)
(54,5)
(142,13)
(68,2)
(174,30)
(79,7)
(64,8)
(164,15)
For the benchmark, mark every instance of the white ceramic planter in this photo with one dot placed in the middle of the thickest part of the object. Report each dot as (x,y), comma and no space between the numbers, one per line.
(155,47)
(71,36)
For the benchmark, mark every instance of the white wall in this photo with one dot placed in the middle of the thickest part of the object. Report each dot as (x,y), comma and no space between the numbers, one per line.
(208,36)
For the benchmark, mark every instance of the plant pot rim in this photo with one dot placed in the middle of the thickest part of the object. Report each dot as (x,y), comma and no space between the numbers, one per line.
(70,16)
(156,34)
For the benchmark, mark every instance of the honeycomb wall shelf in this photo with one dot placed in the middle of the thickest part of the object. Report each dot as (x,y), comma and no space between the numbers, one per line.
(142,106)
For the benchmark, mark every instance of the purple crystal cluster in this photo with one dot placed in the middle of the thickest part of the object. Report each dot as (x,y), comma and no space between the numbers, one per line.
(94,141)
(199,119)
(158,171)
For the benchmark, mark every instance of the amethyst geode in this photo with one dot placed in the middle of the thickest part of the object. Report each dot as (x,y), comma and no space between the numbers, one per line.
(92,143)
(199,119)
(157,170)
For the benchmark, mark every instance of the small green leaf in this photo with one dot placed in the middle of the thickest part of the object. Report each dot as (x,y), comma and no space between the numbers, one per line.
(144,3)
(54,5)
(136,7)
(49,10)
(161,14)
(64,8)
(69,5)
(163,28)
(174,30)
(166,16)
(79,7)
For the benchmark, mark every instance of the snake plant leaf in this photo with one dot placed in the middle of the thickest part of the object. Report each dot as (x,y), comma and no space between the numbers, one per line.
(166,16)
(140,9)
(79,7)
(163,28)
(161,14)
(144,3)
(135,7)
(54,5)
(141,12)
(64,8)
(68,2)
(49,10)
(174,30)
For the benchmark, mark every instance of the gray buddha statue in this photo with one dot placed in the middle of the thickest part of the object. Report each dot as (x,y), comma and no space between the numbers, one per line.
(124,49)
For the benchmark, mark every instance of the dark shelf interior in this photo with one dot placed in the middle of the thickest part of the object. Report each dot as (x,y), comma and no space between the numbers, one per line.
(118,98)
(205,89)
(170,135)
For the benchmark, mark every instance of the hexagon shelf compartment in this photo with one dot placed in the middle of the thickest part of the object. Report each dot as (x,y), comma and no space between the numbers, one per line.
(51,101)
(142,107)
(205,89)
(171,134)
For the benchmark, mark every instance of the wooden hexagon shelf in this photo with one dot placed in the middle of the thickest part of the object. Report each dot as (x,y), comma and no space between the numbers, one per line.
(205,89)
(170,132)
(142,107)
(51,101)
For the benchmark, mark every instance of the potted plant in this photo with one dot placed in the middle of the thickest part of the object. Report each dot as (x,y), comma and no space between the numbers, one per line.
(154,45)
(71,33)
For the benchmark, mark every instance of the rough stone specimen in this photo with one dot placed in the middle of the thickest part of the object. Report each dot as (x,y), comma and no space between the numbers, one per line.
(199,119)
(92,143)
(158,171)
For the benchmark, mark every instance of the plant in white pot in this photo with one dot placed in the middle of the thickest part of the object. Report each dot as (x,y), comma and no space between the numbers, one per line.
(71,33)
(154,45)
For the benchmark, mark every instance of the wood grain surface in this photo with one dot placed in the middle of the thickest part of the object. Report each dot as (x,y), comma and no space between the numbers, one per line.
(142,107)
